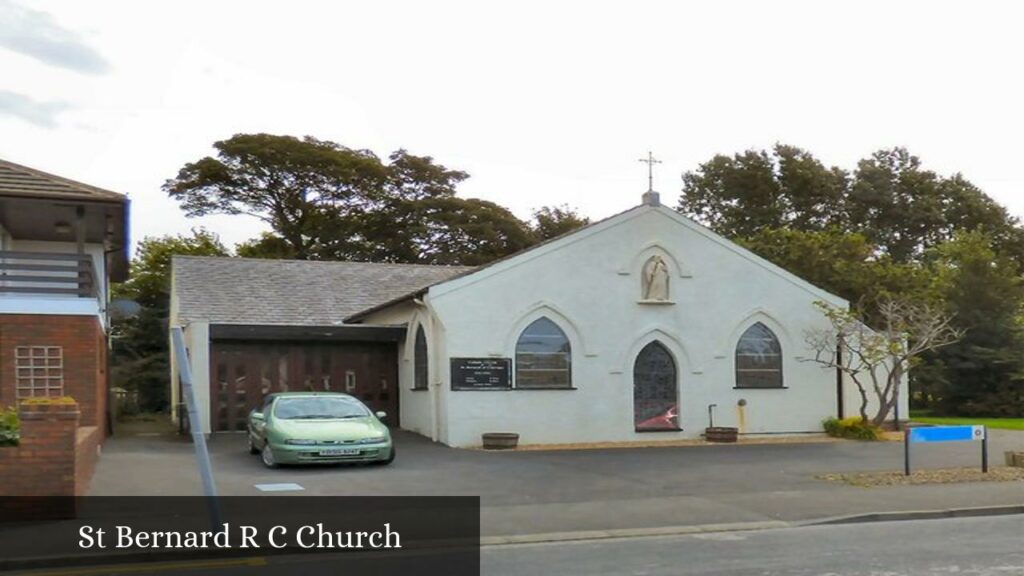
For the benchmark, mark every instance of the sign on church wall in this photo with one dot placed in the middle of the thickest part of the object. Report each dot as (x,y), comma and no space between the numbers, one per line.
(481,373)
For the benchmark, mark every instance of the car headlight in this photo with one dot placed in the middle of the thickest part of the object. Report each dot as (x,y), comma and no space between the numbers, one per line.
(300,442)
(374,440)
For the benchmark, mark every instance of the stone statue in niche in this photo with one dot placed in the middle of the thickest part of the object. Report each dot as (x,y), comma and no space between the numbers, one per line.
(654,284)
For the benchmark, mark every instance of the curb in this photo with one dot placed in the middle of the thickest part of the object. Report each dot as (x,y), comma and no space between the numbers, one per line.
(552,537)
(916,515)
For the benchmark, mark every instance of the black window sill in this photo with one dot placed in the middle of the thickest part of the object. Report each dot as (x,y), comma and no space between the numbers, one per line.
(650,430)
(546,388)
(419,389)
(760,387)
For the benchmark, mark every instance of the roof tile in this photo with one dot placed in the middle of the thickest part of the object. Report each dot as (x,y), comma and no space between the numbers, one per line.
(223,290)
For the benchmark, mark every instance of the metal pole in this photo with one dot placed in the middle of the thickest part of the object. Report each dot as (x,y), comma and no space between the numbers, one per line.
(984,450)
(906,452)
(195,424)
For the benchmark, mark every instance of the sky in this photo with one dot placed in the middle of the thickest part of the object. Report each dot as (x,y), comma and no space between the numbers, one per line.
(542,103)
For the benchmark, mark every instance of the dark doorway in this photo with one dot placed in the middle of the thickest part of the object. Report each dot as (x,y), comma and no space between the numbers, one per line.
(655,402)
(243,373)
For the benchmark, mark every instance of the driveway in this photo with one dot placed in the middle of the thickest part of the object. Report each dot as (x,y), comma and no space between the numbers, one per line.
(551,491)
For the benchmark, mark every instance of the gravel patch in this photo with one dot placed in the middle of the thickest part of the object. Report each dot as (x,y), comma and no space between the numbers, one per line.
(938,476)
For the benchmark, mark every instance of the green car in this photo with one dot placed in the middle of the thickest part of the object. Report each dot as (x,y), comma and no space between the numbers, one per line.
(318,427)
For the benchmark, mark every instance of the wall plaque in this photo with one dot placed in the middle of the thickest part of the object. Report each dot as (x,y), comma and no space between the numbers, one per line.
(481,373)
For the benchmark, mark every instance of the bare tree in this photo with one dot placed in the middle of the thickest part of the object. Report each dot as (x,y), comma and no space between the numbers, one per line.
(877,360)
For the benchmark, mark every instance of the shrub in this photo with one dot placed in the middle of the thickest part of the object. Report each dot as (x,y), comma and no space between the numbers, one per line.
(854,428)
(10,427)
(49,400)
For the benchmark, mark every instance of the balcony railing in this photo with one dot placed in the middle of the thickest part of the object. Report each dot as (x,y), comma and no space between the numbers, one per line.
(47,273)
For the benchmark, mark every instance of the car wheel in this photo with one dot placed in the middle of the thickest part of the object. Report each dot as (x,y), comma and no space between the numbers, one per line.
(252,445)
(268,456)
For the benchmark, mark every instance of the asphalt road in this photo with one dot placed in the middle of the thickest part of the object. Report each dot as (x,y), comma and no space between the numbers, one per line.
(556,491)
(965,546)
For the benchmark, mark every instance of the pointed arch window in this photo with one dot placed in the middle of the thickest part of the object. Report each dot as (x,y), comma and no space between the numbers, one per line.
(758,359)
(420,360)
(655,390)
(543,356)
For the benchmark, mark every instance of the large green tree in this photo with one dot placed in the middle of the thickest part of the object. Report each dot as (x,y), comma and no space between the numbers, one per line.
(741,195)
(323,200)
(844,263)
(291,184)
(553,221)
(900,207)
(983,373)
(139,359)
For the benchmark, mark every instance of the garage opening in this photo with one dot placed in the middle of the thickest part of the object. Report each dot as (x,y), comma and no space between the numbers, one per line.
(248,363)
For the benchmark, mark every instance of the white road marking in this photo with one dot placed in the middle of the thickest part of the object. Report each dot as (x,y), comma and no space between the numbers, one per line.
(282,487)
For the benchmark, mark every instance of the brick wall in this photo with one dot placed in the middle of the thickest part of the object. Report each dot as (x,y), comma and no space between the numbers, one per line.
(44,463)
(87,453)
(85,358)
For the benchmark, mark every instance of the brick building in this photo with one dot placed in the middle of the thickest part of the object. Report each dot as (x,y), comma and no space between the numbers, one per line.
(61,244)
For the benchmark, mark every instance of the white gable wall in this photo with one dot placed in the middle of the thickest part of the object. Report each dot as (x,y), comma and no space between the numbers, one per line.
(589,284)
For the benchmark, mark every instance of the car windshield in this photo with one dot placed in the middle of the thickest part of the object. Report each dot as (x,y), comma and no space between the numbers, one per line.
(317,407)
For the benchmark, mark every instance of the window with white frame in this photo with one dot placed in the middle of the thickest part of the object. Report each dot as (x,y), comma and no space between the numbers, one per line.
(39,371)
(420,366)
(543,356)
(758,359)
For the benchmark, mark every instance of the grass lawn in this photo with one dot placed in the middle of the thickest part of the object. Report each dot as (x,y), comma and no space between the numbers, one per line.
(1003,423)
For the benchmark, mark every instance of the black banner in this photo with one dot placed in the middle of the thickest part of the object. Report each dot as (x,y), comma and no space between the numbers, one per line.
(481,373)
(264,535)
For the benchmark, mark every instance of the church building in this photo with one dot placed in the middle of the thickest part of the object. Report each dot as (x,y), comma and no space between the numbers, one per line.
(643,326)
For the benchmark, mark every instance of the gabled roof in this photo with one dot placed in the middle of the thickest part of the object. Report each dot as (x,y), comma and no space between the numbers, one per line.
(22,181)
(223,290)
(596,227)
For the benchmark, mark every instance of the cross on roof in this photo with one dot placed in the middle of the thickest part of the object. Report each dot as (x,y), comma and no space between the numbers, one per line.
(650,161)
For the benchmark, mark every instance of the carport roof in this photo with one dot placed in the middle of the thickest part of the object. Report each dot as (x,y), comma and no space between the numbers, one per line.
(222,290)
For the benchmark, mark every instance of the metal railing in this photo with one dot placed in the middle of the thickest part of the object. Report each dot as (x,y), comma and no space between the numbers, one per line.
(47,273)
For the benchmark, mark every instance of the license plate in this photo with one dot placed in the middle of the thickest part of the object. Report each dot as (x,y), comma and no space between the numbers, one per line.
(340,452)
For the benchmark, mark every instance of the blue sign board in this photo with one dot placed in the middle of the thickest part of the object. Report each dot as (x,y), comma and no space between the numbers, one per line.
(947,434)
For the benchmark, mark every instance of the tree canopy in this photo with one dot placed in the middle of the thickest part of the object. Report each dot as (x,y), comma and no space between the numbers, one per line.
(139,357)
(326,201)
(900,207)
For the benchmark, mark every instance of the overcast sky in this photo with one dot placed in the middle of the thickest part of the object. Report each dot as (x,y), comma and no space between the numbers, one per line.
(541,102)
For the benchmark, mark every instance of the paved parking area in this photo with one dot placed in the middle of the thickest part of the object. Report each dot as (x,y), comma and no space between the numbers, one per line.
(548,491)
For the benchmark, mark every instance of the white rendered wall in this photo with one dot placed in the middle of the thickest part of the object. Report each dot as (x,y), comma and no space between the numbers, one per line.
(417,406)
(589,284)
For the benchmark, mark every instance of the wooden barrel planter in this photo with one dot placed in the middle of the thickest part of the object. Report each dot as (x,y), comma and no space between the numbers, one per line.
(721,434)
(500,440)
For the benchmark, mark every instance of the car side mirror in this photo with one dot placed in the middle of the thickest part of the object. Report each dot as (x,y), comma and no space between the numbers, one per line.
(381,415)
(258,416)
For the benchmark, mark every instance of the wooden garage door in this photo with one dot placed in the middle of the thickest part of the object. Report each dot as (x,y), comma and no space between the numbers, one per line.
(243,373)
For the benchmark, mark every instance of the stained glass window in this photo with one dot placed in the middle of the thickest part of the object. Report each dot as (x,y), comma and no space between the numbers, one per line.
(655,405)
